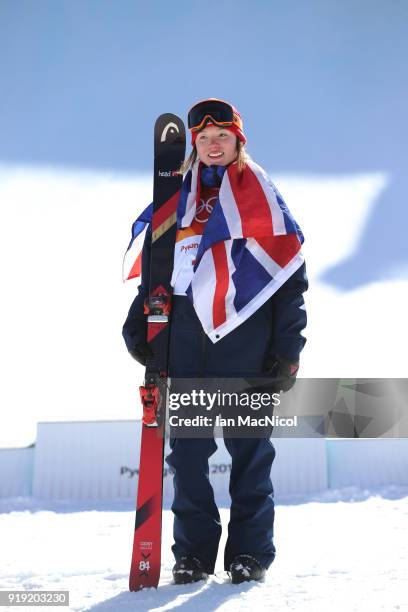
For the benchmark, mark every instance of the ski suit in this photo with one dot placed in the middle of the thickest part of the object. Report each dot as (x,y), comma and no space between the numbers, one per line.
(274,329)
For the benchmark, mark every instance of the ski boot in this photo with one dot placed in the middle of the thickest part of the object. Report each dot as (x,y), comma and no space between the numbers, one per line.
(188,569)
(245,568)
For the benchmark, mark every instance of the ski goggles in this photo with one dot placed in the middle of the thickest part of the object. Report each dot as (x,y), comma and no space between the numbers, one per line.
(216,111)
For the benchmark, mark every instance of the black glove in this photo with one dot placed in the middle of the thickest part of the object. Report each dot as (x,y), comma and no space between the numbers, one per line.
(283,370)
(141,352)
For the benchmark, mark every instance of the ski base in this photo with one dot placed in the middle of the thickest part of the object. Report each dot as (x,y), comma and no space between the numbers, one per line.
(146,555)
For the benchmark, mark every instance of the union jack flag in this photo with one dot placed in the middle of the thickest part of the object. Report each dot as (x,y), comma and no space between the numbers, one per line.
(250,247)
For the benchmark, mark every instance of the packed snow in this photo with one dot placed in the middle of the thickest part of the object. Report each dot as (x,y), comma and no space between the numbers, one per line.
(344,550)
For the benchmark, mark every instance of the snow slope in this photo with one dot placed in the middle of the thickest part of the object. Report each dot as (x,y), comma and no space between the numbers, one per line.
(344,551)
(62,355)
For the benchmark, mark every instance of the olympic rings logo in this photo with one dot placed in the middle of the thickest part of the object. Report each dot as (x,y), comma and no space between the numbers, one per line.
(203,208)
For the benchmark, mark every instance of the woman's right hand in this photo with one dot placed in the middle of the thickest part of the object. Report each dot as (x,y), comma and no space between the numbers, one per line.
(141,352)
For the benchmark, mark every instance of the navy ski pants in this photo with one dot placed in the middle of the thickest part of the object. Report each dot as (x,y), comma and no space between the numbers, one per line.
(197,525)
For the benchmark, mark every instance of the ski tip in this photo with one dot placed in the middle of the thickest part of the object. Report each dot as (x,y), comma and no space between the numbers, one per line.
(169,129)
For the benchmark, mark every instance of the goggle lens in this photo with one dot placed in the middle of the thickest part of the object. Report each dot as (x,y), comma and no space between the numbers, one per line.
(220,112)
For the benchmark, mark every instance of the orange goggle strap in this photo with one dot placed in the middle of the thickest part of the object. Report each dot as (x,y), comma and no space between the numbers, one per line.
(209,118)
(232,127)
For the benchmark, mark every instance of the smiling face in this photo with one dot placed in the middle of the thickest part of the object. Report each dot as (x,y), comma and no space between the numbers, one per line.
(216,146)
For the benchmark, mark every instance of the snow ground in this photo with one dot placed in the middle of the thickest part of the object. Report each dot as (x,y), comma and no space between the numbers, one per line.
(344,550)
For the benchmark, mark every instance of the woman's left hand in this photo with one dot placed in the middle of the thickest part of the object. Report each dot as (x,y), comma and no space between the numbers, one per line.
(283,370)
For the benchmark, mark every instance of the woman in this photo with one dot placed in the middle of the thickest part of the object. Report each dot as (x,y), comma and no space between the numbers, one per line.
(237,310)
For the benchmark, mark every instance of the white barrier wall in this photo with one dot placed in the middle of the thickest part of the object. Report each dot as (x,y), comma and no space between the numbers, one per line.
(16,471)
(100,460)
(300,466)
(367,463)
(84,460)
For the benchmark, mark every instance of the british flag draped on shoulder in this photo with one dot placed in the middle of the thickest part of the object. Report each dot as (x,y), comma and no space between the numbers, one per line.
(250,247)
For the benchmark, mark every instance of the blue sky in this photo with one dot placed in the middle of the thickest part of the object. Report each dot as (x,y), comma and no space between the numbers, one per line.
(322,85)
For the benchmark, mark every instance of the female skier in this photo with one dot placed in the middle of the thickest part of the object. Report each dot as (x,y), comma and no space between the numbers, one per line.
(237,310)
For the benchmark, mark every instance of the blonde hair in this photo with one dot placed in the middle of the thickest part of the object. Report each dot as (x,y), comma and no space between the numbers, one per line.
(242,158)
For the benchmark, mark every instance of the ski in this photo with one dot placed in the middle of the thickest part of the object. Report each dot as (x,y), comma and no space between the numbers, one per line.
(169,151)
